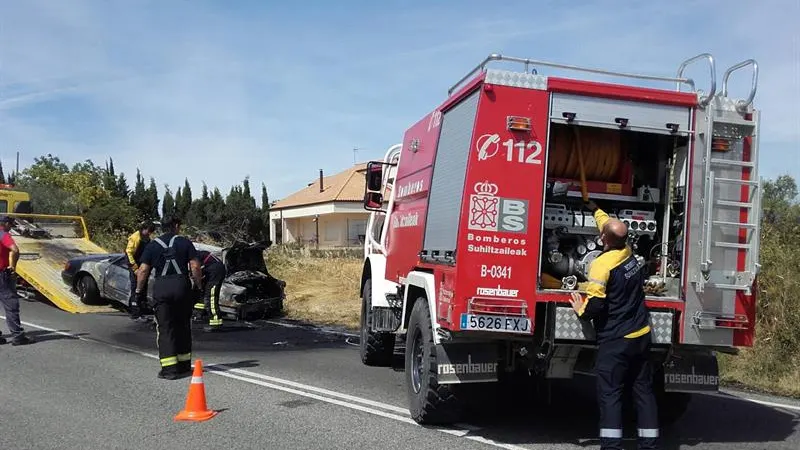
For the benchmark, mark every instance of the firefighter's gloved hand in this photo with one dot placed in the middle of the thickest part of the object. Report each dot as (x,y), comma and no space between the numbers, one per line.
(590,205)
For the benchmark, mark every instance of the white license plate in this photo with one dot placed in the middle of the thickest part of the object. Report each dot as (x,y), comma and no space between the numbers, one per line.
(503,324)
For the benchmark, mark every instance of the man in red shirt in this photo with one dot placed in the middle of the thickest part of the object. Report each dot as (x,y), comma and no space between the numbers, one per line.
(9,254)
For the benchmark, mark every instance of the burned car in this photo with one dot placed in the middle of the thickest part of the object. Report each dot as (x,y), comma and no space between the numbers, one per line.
(248,292)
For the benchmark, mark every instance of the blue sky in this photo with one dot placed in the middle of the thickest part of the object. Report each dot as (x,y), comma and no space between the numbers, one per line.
(217,90)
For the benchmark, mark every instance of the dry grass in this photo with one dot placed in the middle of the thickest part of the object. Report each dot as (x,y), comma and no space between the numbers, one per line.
(319,290)
(773,364)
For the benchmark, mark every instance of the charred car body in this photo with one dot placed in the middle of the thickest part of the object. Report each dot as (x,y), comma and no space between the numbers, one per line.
(249,291)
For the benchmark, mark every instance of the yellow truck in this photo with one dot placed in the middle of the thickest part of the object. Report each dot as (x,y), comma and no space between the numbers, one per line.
(46,243)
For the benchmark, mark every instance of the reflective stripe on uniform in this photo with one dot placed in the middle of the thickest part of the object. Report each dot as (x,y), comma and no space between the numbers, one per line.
(199,306)
(614,433)
(169,361)
(639,332)
(184,357)
(214,320)
(174,263)
(648,432)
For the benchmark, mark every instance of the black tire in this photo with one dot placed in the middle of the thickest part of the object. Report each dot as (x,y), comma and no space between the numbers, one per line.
(671,405)
(429,402)
(87,290)
(376,348)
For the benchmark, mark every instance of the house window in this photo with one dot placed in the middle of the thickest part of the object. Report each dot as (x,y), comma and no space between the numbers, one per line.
(356,231)
(331,230)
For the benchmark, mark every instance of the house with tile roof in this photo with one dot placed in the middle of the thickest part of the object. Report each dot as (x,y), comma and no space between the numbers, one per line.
(329,212)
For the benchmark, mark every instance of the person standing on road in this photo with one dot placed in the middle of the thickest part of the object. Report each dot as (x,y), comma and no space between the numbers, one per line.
(213,275)
(9,255)
(615,304)
(136,244)
(174,259)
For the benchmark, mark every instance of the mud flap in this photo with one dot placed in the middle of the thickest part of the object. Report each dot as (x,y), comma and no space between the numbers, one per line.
(466,363)
(691,371)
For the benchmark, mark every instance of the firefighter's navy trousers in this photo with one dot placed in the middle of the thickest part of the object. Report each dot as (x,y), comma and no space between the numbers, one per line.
(622,363)
(173,315)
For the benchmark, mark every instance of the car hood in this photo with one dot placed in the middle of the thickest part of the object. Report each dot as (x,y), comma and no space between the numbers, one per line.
(242,256)
(98,257)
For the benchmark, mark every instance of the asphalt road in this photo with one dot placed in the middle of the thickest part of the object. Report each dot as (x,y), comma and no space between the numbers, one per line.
(89,382)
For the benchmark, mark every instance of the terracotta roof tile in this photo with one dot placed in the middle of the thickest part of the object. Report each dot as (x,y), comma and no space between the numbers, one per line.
(345,186)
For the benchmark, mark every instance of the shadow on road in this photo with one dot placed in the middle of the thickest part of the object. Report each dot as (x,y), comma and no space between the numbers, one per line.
(236,336)
(44,336)
(225,367)
(571,418)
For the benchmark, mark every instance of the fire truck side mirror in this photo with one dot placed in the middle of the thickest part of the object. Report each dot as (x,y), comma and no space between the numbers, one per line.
(374,176)
(373,197)
(373,201)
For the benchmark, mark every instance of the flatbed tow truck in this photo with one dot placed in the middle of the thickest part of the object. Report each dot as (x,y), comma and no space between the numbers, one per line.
(45,244)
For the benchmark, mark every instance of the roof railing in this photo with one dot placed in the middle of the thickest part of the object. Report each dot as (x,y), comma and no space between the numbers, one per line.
(742,105)
(528,62)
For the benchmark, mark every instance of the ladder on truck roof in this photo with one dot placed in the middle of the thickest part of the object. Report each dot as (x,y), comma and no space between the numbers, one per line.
(731,197)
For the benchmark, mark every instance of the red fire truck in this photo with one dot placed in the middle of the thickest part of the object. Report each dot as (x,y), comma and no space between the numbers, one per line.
(477,232)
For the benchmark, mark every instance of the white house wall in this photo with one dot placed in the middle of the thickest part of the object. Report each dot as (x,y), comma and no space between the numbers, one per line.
(312,210)
(340,225)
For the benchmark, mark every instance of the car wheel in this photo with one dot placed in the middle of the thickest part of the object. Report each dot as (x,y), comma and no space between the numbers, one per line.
(87,290)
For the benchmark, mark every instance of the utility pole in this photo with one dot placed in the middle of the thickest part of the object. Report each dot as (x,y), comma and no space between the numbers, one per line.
(355,155)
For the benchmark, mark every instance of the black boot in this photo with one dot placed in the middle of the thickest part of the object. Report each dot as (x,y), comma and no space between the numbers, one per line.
(169,373)
(184,368)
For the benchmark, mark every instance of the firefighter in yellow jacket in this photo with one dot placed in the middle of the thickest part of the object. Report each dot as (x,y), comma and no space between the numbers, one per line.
(136,244)
(615,305)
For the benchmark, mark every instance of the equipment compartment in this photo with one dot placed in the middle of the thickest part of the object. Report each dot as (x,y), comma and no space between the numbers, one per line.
(635,176)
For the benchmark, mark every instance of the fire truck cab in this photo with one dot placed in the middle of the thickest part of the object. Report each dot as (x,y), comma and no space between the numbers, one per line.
(478,232)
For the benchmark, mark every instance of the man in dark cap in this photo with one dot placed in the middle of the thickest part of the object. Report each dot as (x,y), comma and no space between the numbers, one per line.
(9,255)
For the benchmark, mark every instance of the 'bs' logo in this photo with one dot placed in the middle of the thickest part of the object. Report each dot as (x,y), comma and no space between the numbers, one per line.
(488,212)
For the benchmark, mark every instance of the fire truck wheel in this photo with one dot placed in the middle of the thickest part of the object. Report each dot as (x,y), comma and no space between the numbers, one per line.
(671,405)
(429,402)
(376,348)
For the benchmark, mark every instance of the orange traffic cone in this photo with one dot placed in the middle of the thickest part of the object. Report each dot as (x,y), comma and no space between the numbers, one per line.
(196,409)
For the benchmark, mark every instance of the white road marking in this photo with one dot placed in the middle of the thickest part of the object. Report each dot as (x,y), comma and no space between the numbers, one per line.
(772,404)
(310,328)
(327,392)
(259,379)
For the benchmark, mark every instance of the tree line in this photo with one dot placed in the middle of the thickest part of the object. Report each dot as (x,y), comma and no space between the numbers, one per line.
(109,205)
